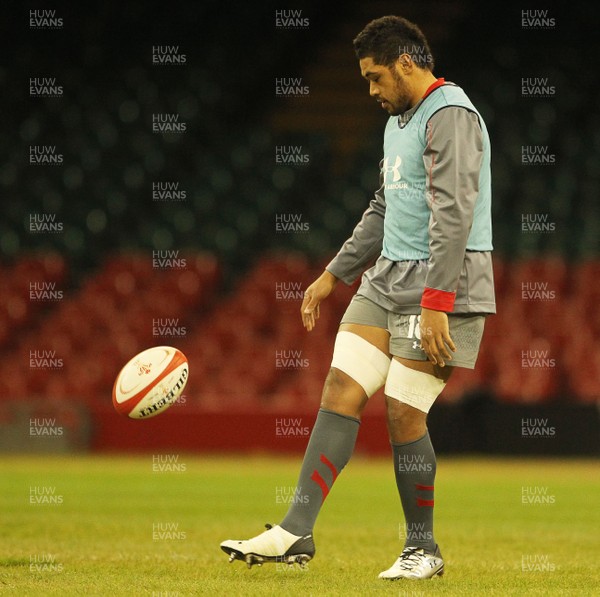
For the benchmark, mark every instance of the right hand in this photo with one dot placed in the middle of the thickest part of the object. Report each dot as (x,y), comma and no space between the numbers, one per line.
(319,290)
(435,336)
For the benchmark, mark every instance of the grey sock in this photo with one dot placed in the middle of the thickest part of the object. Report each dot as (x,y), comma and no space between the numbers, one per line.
(414,466)
(329,449)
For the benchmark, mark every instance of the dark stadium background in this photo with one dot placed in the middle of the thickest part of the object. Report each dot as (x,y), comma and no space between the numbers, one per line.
(230,290)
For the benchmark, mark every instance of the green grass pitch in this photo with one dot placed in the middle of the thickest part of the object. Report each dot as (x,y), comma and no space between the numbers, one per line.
(114,526)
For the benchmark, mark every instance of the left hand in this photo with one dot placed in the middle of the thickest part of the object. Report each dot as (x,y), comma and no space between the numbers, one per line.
(435,336)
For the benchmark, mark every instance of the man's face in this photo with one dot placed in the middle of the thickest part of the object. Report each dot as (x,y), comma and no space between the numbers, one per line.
(387,85)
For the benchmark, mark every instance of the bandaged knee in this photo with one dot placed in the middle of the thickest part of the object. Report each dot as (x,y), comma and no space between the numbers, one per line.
(415,388)
(364,363)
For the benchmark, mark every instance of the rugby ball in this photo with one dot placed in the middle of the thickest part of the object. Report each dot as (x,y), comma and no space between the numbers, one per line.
(150,382)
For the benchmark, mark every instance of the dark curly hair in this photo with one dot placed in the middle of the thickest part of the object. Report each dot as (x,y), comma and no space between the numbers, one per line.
(387,38)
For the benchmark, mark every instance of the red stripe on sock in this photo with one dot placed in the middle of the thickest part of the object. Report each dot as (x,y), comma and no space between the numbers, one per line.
(316,477)
(329,464)
(421,502)
(424,487)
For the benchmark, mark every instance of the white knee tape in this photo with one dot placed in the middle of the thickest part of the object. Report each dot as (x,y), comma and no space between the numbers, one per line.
(415,388)
(362,361)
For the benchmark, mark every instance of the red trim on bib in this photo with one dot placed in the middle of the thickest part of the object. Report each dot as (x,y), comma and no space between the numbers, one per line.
(438,83)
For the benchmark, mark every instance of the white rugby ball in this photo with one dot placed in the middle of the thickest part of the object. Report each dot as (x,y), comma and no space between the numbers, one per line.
(150,382)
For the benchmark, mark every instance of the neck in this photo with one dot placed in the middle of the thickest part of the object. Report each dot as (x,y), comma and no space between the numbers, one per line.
(421,85)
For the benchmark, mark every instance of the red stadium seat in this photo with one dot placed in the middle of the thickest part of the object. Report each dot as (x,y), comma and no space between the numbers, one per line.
(232,342)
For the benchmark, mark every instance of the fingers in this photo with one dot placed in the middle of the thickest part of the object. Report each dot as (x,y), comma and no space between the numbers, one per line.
(433,353)
(430,350)
(318,291)
(437,347)
(309,311)
(308,320)
(449,342)
(308,317)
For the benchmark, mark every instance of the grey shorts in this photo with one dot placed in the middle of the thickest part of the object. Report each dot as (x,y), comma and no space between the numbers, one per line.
(465,330)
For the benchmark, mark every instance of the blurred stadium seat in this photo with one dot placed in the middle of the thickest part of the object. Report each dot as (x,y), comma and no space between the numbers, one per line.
(546,284)
(537,349)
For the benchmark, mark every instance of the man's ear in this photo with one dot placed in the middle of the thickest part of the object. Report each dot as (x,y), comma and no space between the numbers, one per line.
(405,63)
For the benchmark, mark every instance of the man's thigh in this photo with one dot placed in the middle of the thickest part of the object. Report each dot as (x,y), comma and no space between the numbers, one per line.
(368,320)
(465,330)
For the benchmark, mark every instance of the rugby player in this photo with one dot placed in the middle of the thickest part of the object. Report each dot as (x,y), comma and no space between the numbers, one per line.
(420,309)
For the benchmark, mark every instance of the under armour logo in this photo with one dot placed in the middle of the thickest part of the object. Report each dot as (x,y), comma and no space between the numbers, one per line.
(395,169)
